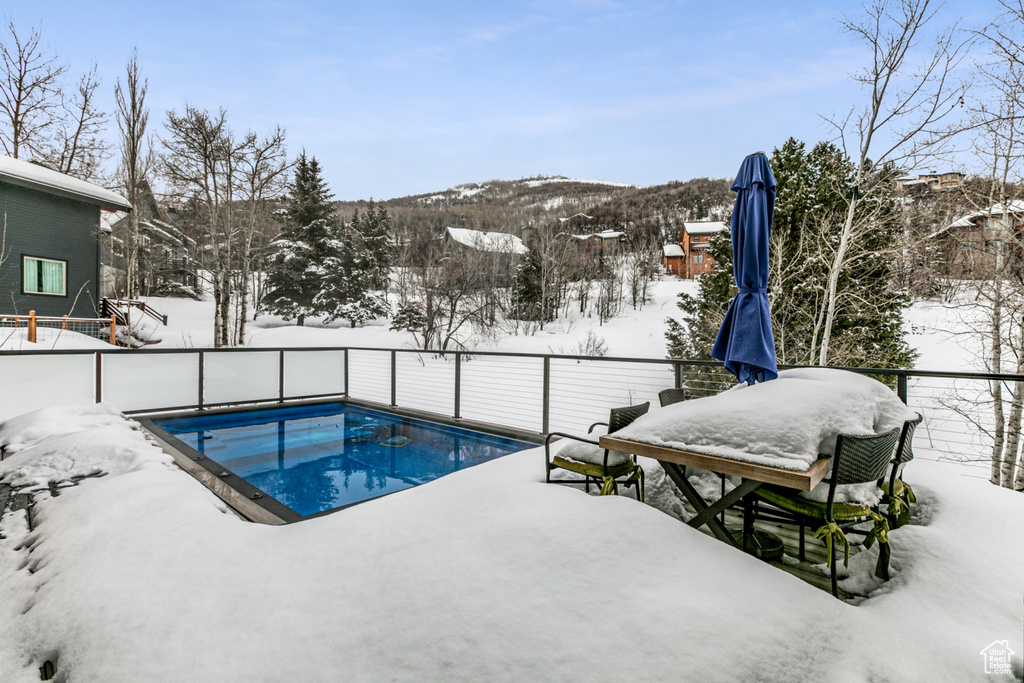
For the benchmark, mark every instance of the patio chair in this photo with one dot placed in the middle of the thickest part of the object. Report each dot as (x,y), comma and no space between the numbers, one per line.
(896,493)
(857,460)
(598,465)
(675,395)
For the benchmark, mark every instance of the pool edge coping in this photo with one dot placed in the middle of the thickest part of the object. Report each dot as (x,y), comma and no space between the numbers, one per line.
(226,485)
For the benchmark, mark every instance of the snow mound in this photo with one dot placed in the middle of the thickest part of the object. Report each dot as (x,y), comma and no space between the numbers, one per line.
(785,423)
(25,431)
(96,450)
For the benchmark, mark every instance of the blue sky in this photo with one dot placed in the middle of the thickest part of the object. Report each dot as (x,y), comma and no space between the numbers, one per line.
(399,98)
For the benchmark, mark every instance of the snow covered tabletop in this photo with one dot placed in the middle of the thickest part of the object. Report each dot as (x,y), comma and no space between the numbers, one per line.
(786,422)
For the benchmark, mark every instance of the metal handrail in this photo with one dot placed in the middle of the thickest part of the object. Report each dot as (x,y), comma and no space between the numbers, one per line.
(896,372)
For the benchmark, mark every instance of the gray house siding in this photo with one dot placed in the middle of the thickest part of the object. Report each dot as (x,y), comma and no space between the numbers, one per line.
(47,226)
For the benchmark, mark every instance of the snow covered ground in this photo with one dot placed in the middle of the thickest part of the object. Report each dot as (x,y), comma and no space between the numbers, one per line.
(488,574)
(639,333)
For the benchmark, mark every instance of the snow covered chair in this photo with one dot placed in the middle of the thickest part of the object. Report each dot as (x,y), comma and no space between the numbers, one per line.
(896,493)
(857,460)
(598,465)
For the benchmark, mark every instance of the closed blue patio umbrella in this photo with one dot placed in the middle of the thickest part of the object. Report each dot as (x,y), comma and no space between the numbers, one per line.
(745,340)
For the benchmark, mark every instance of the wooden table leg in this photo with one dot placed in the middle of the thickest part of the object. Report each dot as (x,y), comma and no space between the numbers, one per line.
(707,514)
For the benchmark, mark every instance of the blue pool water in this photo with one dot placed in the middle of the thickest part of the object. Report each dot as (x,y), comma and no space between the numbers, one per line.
(320,457)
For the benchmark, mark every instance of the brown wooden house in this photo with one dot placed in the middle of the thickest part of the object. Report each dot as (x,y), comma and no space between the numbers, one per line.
(967,247)
(689,258)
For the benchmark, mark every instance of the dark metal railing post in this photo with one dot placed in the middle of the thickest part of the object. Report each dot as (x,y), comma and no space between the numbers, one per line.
(280,377)
(346,373)
(394,392)
(202,378)
(545,420)
(677,373)
(458,385)
(99,378)
(901,386)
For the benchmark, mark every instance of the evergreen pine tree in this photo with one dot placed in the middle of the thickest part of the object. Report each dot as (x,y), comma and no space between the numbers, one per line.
(356,278)
(530,300)
(308,240)
(376,231)
(809,212)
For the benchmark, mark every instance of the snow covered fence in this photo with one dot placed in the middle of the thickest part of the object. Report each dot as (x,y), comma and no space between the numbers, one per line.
(533,392)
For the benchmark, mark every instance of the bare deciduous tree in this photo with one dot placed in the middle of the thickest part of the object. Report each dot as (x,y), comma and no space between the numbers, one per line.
(135,163)
(907,103)
(263,168)
(78,148)
(29,93)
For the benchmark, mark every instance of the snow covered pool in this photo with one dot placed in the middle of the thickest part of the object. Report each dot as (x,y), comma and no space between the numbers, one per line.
(316,458)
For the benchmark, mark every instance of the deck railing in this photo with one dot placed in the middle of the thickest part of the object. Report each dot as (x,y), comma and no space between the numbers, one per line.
(100,328)
(533,392)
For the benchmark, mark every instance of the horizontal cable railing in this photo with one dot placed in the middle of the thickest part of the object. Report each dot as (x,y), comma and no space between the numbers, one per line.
(533,392)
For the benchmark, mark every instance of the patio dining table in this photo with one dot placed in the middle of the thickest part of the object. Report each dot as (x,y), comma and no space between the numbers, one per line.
(781,432)
(753,476)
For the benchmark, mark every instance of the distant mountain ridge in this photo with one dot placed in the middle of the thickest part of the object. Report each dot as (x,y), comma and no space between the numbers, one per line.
(507,205)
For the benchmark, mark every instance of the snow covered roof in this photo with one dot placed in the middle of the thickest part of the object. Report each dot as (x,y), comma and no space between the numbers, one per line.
(578,215)
(603,235)
(704,227)
(108,219)
(1013,207)
(36,177)
(673,250)
(500,242)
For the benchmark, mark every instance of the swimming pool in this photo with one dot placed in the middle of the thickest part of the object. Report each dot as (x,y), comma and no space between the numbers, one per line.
(315,458)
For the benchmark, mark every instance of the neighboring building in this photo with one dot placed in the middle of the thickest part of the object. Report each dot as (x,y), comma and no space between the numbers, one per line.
(967,247)
(49,240)
(478,240)
(674,259)
(936,181)
(166,266)
(604,241)
(689,259)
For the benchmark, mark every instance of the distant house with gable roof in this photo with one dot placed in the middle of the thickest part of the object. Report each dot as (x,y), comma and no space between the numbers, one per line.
(968,246)
(479,240)
(689,259)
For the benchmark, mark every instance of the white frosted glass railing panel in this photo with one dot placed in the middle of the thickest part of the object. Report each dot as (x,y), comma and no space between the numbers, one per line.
(241,376)
(150,381)
(505,391)
(310,373)
(369,375)
(582,392)
(426,382)
(31,382)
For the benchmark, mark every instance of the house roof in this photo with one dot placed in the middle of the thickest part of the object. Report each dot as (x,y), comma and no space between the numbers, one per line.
(673,250)
(603,235)
(1013,207)
(36,177)
(704,227)
(500,242)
